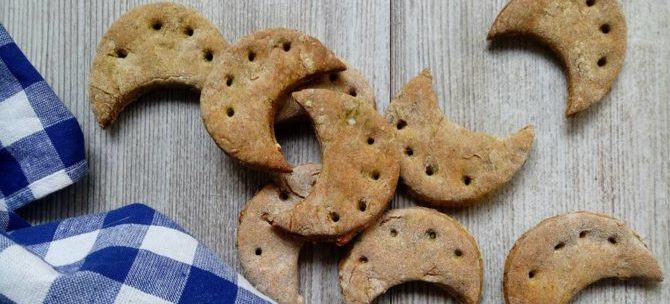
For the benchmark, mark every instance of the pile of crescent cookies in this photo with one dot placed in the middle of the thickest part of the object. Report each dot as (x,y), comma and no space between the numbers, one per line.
(282,75)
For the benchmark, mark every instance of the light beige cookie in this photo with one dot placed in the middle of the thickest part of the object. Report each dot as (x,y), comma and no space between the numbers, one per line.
(589,37)
(269,257)
(359,168)
(152,45)
(563,254)
(350,81)
(413,244)
(242,94)
(443,163)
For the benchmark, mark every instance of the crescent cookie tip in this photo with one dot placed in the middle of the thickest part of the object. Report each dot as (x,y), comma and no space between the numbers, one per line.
(524,138)
(280,165)
(501,23)
(426,73)
(576,105)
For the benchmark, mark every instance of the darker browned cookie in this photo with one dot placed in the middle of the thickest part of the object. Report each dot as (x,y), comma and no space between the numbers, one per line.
(242,94)
(413,244)
(589,37)
(269,257)
(159,44)
(443,163)
(563,254)
(359,168)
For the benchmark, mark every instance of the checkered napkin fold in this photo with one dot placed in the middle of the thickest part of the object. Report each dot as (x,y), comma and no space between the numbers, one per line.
(129,255)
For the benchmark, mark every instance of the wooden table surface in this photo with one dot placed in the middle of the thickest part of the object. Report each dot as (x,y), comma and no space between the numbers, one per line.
(614,158)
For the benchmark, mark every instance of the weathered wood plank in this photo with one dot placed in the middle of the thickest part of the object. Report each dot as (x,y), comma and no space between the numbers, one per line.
(613,158)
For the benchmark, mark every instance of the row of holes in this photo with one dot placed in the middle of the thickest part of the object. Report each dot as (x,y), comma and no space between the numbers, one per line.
(157,25)
(334,216)
(207,54)
(430,170)
(612,240)
(605,29)
(430,234)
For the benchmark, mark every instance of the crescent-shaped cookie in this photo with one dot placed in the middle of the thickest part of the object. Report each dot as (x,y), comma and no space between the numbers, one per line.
(589,37)
(413,244)
(152,45)
(443,163)
(269,257)
(350,81)
(242,93)
(359,170)
(563,254)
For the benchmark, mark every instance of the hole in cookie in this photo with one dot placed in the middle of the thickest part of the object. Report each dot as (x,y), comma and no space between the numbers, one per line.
(229,80)
(362,205)
(583,234)
(559,246)
(352,92)
(531,274)
(409,151)
(605,28)
(612,240)
(334,216)
(332,77)
(430,170)
(431,234)
(375,175)
(458,253)
(208,55)
(230,112)
(286,46)
(371,140)
(121,53)
(467,180)
(259,251)
(188,31)
(602,61)
(157,25)
(590,2)
(394,232)
(401,124)
(363,259)
(283,195)
(251,56)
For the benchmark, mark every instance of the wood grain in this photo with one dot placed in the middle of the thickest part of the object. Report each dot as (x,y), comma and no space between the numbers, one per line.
(613,159)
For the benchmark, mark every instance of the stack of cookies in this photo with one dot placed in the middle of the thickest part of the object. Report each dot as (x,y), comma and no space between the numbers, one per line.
(280,75)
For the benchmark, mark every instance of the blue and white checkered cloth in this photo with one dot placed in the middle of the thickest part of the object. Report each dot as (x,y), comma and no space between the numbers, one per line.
(41,144)
(129,255)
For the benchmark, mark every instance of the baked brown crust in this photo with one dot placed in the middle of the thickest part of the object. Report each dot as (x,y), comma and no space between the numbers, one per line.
(588,36)
(563,254)
(443,163)
(413,244)
(269,258)
(242,93)
(350,81)
(359,170)
(150,46)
